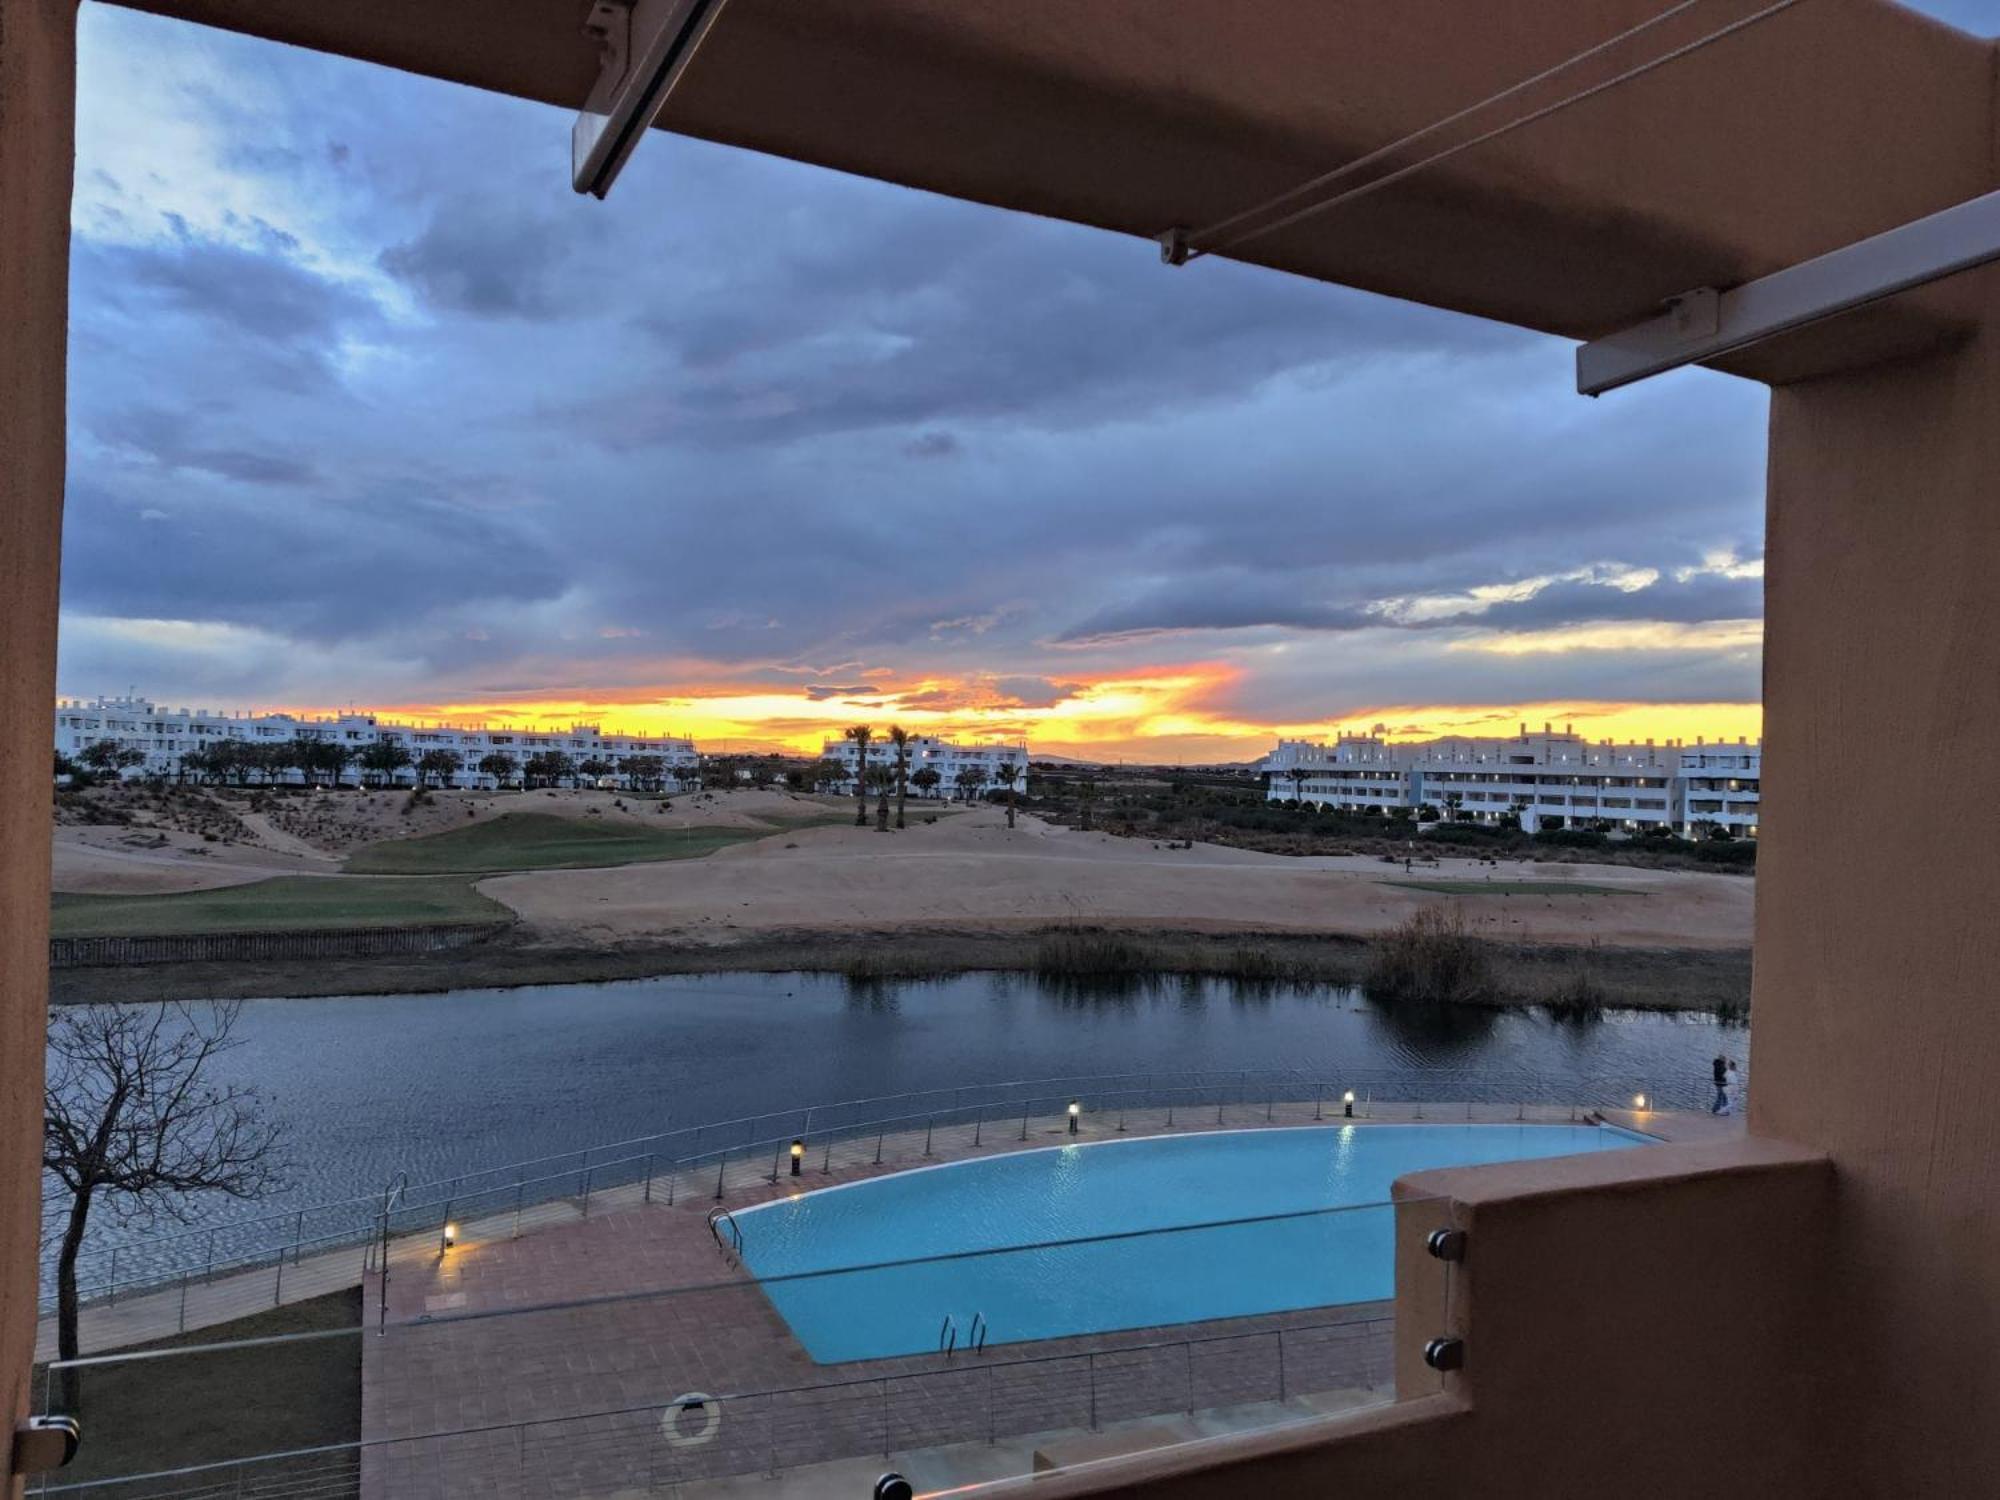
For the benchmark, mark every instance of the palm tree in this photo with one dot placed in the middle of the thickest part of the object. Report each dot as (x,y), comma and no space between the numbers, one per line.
(1006,773)
(925,779)
(828,772)
(970,779)
(900,738)
(859,735)
(1299,775)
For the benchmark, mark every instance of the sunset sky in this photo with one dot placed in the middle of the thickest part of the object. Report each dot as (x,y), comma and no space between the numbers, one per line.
(367,407)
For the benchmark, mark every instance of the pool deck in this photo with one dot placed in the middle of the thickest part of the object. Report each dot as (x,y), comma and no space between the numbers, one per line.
(586,1329)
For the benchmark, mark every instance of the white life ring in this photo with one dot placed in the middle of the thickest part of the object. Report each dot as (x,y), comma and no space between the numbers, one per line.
(670,1420)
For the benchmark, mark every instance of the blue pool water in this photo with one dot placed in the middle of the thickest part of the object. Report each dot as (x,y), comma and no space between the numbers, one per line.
(1339,1249)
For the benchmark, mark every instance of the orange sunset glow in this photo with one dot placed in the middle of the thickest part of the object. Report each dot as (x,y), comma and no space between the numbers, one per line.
(1163,717)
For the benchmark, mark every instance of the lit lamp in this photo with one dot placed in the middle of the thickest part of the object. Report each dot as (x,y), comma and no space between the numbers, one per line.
(1638,1101)
(450,1235)
(1075,1110)
(798,1155)
(1347,1104)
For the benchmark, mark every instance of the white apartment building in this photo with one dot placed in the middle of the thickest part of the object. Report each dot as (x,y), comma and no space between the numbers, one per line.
(949,759)
(1358,773)
(163,735)
(1720,784)
(1547,780)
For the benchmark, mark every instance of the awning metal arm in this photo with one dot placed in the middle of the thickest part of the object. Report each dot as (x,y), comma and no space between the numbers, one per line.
(1706,324)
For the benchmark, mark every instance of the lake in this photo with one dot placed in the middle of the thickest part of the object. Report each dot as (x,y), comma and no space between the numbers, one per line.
(440,1084)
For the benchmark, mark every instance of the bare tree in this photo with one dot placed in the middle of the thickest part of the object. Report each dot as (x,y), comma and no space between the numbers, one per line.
(130,1114)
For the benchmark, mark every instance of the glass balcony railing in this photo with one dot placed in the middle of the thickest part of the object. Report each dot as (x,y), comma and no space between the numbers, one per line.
(662,1360)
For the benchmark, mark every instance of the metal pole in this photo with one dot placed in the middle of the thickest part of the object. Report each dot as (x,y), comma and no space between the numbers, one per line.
(647,1196)
(184,1303)
(382,1316)
(720,1162)
(278,1281)
(114,1275)
(878,1145)
(826,1158)
(298,1236)
(928,1120)
(1319,1090)
(978,1126)
(1024,1118)
(589,1173)
(777,1156)
(208,1270)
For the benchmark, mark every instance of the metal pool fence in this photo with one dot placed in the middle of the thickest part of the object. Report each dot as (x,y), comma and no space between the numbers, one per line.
(254,1257)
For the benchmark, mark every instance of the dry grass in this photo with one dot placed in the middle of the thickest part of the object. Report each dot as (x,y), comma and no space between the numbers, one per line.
(1432,957)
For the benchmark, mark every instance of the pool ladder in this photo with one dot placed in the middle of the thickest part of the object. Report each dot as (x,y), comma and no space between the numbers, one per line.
(720,1219)
(975,1337)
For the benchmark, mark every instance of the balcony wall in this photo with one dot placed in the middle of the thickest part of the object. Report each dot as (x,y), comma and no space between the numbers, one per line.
(1645,1321)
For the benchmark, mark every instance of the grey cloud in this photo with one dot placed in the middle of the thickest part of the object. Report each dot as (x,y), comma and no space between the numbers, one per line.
(1035,692)
(490,258)
(932,445)
(1703,597)
(286,319)
(1123,451)
(164,436)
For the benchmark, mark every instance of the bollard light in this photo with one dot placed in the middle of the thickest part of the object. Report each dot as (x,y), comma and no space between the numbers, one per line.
(1638,1101)
(1347,1104)
(1075,1110)
(798,1155)
(450,1235)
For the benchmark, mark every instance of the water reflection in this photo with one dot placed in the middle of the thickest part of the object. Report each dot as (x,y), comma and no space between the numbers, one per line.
(441,1084)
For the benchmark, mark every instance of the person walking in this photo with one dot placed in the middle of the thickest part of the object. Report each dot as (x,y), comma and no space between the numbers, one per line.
(1738,1091)
(1721,1071)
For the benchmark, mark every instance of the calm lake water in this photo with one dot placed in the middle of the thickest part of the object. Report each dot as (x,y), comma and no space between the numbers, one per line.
(436,1085)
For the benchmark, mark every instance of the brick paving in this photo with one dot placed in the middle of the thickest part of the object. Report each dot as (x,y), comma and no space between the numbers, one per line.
(591,1380)
(568,1399)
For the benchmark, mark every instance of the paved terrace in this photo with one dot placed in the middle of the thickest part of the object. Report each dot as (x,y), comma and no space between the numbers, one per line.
(557,1398)
(563,1369)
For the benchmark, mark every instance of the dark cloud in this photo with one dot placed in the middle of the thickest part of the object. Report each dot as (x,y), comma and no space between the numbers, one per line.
(493,259)
(166,438)
(932,445)
(1700,598)
(450,417)
(1035,692)
(1246,602)
(1237,606)
(278,321)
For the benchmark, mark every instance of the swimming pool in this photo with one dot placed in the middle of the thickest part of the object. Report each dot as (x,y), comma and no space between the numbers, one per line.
(1120,1189)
